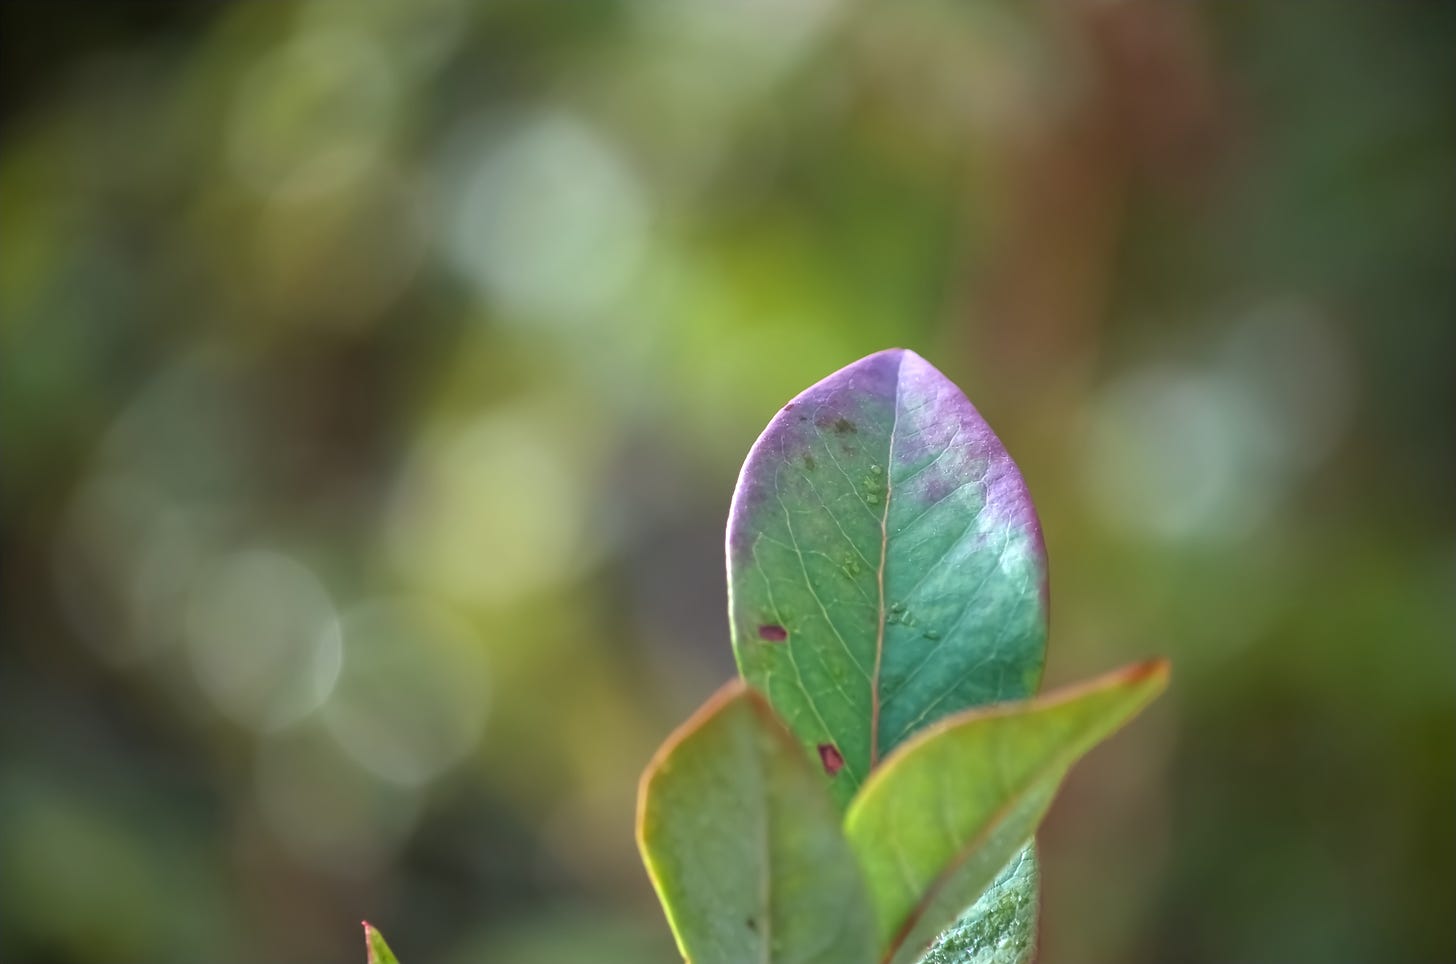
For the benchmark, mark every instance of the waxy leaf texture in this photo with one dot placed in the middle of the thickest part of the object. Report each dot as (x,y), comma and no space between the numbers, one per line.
(1000,927)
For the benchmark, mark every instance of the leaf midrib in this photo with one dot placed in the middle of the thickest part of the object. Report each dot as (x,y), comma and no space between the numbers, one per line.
(880,572)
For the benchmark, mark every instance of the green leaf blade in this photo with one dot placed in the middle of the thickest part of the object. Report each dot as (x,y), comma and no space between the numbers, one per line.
(378,951)
(744,845)
(940,819)
(885,564)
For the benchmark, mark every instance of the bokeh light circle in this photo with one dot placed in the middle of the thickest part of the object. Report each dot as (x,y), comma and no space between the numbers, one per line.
(411,697)
(262,639)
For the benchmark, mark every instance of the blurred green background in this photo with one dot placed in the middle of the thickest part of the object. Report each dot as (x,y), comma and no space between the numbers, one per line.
(375,377)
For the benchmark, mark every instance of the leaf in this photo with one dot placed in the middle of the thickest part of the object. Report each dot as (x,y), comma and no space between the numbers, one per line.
(744,845)
(1000,927)
(379,952)
(885,567)
(885,564)
(941,817)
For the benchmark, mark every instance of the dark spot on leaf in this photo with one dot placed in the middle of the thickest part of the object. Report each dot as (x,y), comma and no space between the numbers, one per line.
(844,425)
(773,632)
(832,759)
(809,462)
(752,924)
(849,450)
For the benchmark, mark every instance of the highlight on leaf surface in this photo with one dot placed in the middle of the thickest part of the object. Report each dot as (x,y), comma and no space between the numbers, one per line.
(377,949)
(939,819)
(744,845)
(885,563)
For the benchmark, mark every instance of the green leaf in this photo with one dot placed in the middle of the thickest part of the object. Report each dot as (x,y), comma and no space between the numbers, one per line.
(885,567)
(1000,928)
(379,952)
(941,817)
(744,845)
(885,564)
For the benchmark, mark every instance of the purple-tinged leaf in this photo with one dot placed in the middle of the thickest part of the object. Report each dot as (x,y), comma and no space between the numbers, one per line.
(885,563)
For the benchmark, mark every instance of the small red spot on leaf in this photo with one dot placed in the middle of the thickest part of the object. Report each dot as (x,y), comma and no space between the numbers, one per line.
(832,759)
(773,633)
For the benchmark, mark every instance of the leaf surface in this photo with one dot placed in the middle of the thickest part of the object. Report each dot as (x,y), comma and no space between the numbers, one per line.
(744,845)
(379,952)
(940,818)
(1000,927)
(885,564)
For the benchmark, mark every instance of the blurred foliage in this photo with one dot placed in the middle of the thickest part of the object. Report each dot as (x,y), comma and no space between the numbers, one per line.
(401,357)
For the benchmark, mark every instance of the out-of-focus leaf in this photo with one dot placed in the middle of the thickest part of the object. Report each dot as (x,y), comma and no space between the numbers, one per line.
(937,822)
(744,845)
(885,564)
(379,952)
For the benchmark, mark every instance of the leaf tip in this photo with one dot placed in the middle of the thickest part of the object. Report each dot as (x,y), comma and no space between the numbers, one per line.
(895,353)
(1158,671)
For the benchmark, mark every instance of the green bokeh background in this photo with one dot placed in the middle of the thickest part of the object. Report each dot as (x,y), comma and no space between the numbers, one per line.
(375,377)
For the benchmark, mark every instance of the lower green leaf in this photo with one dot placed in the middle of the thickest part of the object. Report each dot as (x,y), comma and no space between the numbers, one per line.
(744,845)
(1000,928)
(934,825)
